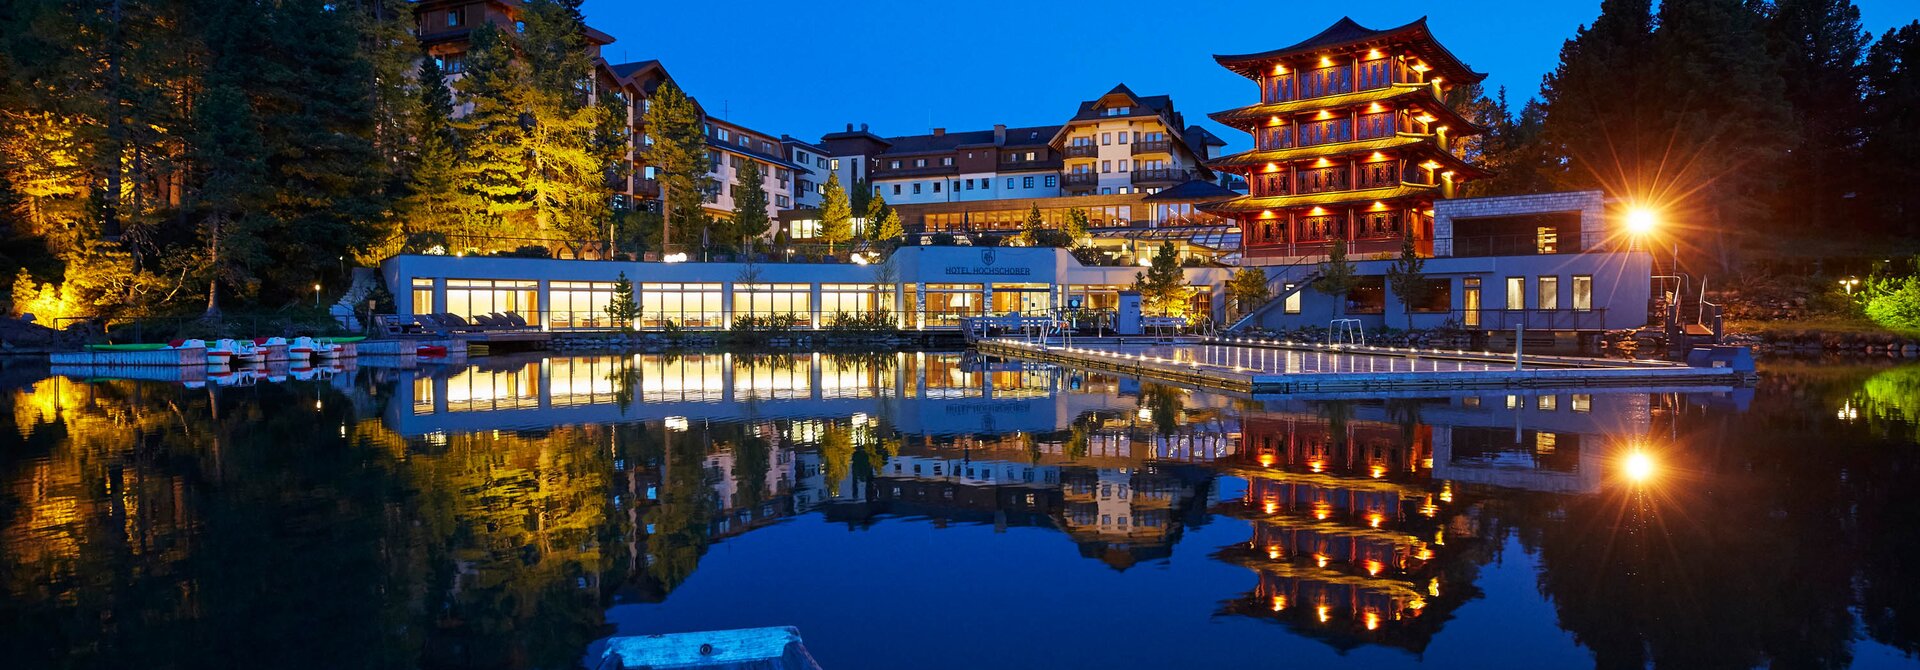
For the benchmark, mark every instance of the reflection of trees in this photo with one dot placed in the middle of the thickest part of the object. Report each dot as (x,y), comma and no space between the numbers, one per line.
(144,530)
(681,520)
(1756,544)
(1891,400)
(1164,404)
(836,454)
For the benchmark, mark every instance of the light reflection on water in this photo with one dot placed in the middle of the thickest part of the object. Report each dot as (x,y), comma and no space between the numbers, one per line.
(938,510)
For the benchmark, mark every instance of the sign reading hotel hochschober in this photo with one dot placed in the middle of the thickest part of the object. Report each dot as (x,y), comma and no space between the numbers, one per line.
(987,257)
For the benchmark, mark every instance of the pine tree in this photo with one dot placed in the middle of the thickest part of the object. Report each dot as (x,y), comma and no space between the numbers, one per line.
(1820,48)
(1893,128)
(385,30)
(750,220)
(1724,114)
(1031,226)
(1517,153)
(230,154)
(1079,226)
(1163,285)
(435,205)
(622,308)
(883,223)
(492,164)
(317,120)
(678,153)
(836,214)
(1598,98)
(1248,289)
(1407,277)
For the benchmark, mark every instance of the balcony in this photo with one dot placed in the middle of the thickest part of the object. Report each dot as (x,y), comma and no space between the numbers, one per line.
(1079,179)
(646,188)
(1083,151)
(1153,147)
(1161,176)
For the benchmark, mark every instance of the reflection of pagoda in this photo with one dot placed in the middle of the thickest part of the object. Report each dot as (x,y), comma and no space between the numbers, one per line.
(1352,538)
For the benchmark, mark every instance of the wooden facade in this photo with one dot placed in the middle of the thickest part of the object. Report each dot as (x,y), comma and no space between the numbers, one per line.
(1352,140)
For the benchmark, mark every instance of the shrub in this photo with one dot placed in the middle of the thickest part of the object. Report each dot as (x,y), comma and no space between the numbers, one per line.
(1898,305)
(758,325)
(878,321)
(942,239)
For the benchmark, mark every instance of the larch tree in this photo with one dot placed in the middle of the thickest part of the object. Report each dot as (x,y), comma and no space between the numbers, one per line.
(836,214)
(566,168)
(676,147)
(1408,279)
(492,165)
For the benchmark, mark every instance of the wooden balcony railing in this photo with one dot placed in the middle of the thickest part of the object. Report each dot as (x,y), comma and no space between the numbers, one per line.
(1083,150)
(1079,179)
(1161,175)
(1152,147)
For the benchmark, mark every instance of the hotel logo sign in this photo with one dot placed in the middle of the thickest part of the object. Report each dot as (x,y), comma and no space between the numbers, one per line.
(987,258)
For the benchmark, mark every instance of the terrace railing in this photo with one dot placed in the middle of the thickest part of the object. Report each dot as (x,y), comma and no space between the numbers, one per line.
(598,249)
(1528,319)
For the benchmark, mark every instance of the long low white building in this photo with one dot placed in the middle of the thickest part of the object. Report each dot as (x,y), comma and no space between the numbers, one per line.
(926,287)
(1548,262)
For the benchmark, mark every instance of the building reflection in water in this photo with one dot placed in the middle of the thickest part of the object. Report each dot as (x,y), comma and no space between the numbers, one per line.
(541,486)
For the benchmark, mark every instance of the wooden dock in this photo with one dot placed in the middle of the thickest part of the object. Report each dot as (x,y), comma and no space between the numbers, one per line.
(1542,373)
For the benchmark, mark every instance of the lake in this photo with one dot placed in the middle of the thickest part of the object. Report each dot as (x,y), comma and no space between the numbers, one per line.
(942,510)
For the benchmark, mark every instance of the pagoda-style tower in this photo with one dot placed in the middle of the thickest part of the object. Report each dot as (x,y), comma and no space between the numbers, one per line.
(1351,140)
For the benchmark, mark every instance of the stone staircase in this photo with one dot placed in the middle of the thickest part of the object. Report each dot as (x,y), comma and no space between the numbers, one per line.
(365,280)
(1277,287)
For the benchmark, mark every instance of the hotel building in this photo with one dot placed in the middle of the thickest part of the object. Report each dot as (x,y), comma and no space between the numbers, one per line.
(1352,142)
(1119,143)
(444,27)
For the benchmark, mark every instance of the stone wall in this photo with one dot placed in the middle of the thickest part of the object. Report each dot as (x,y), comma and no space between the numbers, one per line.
(1591,205)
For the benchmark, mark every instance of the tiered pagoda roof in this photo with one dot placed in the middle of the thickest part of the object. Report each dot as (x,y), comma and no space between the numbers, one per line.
(1346,34)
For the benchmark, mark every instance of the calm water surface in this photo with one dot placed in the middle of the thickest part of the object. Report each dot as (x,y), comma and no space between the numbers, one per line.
(940,511)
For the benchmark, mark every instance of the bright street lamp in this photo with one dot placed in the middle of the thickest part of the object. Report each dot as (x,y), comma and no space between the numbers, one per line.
(1641,220)
(316,294)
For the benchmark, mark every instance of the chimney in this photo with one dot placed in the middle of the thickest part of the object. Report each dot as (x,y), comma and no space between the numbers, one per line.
(863,127)
(849,127)
(999,134)
(939,131)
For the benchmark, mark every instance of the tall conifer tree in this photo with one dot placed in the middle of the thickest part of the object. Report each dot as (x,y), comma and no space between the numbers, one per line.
(750,220)
(677,150)
(492,165)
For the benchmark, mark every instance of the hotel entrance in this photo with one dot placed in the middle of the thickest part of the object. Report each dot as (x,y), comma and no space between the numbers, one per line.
(1026,299)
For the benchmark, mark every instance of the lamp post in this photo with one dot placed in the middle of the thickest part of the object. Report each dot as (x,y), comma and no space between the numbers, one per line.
(316,294)
(1848,284)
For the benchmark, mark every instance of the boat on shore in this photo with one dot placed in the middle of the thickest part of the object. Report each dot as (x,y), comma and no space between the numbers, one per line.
(772,648)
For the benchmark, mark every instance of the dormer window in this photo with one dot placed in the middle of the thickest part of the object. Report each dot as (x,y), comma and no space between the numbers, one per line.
(1119,111)
(456,17)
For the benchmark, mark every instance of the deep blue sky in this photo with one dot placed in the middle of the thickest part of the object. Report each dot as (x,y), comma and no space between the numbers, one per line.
(906,66)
